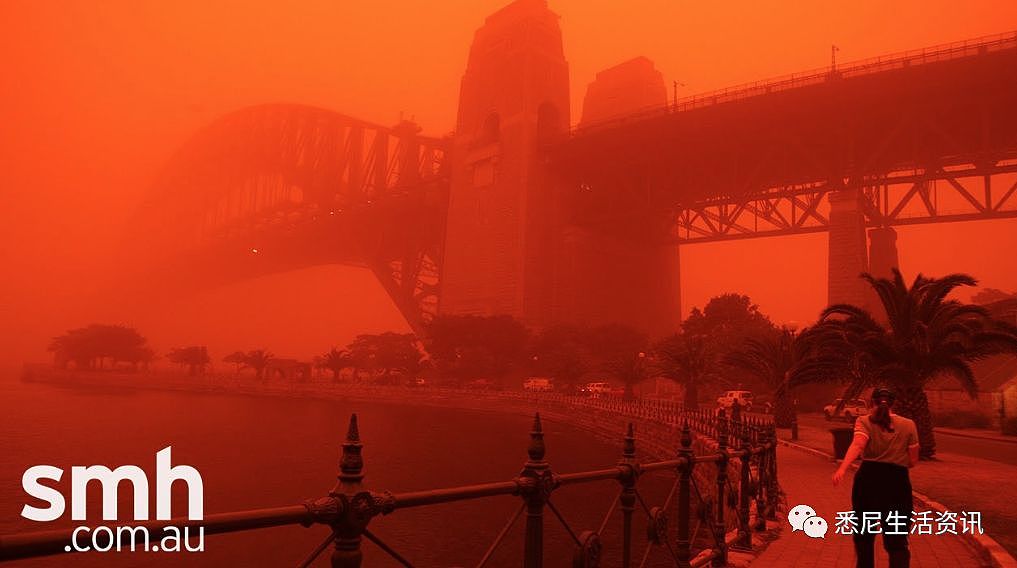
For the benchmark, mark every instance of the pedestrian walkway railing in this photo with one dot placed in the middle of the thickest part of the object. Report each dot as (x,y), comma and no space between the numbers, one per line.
(889,62)
(724,488)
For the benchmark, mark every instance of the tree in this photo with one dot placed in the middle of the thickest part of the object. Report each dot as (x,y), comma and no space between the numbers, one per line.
(89,346)
(772,359)
(631,369)
(687,359)
(386,353)
(471,346)
(237,358)
(621,351)
(925,335)
(195,358)
(258,359)
(336,360)
(727,320)
(563,352)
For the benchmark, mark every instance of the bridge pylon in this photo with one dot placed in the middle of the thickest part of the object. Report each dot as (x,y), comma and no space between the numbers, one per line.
(514,100)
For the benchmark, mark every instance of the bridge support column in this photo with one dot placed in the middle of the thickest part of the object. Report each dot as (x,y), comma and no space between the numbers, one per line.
(603,279)
(883,252)
(847,254)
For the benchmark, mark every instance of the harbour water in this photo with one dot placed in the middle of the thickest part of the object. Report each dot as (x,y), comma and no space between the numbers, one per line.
(258,451)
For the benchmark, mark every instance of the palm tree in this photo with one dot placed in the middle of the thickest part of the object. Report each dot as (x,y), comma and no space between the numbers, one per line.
(336,360)
(238,358)
(258,359)
(687,359)
(771,359)
(782,359)
(924,335)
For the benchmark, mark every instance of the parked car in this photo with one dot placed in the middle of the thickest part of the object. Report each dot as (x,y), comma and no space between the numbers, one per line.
(851,409)
(416,382)
(728,399)
(480,384)
(538,384)
(596,389)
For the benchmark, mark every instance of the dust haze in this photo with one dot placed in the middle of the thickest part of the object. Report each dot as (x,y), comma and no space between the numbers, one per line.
(96,97)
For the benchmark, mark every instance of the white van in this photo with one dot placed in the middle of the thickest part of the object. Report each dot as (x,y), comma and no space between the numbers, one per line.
(728,399)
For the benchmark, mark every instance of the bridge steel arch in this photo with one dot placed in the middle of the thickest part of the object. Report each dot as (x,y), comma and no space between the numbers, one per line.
(278,187)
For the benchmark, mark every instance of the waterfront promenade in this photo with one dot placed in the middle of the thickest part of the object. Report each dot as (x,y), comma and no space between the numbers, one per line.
(804,475)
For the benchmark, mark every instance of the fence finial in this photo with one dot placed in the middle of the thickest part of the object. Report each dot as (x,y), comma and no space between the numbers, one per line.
(536,449)
(351,462)
(629,445)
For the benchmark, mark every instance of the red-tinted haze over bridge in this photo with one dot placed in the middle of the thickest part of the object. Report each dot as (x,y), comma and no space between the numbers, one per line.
(96,97)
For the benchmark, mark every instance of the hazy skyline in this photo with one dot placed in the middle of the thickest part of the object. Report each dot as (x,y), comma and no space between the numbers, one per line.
(95,98)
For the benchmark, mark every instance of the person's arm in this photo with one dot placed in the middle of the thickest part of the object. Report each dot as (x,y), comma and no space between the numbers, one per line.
(853,452)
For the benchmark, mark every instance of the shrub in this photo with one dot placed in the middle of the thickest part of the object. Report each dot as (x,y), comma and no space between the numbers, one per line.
(962,419)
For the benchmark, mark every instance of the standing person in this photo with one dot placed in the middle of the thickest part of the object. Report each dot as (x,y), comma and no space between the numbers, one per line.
(888,446)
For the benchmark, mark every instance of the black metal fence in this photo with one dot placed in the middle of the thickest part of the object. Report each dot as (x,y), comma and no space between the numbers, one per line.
(724,488)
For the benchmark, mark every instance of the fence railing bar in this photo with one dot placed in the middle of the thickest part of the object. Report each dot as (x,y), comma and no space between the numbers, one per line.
(561,519)
(380,544)
(670,549)
(588,476)
(452,494)
(610,510)
(646,554)
(317,551)
(501,536)
(670,496)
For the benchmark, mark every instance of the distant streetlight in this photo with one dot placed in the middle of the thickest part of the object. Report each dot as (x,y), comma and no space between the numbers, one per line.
(676,85)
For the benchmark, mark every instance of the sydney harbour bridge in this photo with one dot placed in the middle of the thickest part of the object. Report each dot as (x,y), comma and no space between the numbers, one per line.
(524,212)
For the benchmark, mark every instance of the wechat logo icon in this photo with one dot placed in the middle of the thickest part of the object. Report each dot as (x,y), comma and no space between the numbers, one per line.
(804,518)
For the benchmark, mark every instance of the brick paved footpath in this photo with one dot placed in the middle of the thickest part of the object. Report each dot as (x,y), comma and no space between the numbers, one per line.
(805,478)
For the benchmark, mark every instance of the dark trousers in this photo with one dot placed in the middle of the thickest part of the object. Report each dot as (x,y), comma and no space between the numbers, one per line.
(884,488)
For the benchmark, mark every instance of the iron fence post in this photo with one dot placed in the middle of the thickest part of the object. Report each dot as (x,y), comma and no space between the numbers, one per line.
(347,527)
(736,424)
(684,545)
(759,443)
(719,527)
(627,499)
(744,541)
(773,488)
(536,482)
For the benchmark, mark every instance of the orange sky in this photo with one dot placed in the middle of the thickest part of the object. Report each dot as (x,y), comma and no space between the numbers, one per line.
(94,96)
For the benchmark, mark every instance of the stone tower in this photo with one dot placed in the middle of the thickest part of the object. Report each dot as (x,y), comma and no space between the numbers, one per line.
(514,98)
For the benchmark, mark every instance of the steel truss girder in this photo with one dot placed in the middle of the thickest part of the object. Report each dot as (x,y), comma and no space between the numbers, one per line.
(884,202)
